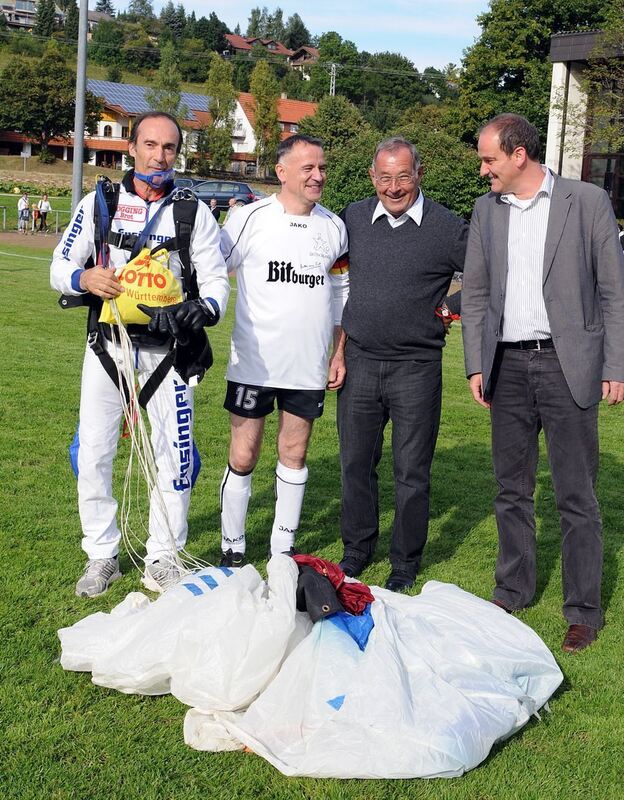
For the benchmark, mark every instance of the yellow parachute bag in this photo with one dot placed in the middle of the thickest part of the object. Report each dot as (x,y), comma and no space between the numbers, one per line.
(147,280)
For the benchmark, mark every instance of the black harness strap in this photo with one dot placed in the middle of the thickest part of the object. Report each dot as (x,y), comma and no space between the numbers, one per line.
(156,378)
(184,214)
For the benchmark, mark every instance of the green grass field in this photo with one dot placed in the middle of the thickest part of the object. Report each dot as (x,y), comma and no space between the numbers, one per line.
(64,738)
(60,204)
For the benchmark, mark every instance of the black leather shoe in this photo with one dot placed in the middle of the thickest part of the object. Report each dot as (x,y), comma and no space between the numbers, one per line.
(230,559)
(496,602)
(399,582)
(353,566)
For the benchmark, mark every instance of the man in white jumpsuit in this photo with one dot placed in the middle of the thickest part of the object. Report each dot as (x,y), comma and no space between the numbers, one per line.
(145,207)
(292,285)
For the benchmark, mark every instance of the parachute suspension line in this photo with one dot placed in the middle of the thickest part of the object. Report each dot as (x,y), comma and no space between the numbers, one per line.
(141,462)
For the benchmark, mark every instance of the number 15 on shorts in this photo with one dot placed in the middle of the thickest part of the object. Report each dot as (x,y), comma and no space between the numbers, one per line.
(246,398)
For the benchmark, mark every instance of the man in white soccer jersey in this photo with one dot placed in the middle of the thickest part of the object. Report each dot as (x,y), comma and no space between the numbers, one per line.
(292,285)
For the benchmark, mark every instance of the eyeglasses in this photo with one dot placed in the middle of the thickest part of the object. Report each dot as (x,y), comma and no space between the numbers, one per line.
(400,180)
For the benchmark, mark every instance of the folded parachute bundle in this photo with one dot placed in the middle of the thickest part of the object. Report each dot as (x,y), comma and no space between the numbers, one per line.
(435,681)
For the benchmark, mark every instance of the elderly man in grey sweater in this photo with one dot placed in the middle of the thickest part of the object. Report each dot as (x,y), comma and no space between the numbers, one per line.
(403,252)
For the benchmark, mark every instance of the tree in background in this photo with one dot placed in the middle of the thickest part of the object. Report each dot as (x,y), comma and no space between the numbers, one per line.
(337,122)
(212,32)
(221,104)
(139,53)
(193,60)
(178,22)
(45,18)
(443,83)
(507,69)
(296,34)
(105,7)
(347,171)
(332,48)
(139,10)
(166,94)
(265,89)
(256,24)
(114,73)
(71,21)
(275,28)
(38,99)
(294,85)
(106,43)
(264,25)
(389,85)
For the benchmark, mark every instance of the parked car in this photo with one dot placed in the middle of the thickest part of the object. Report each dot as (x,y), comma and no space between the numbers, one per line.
(223,190)
(188,183)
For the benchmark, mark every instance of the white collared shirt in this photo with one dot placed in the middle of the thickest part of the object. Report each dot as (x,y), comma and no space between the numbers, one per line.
(525,314)
(415,212)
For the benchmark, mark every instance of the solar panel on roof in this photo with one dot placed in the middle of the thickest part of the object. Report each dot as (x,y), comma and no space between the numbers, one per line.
(132,98)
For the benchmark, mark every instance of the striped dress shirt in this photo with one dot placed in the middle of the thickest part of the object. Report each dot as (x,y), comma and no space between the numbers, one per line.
(524,315)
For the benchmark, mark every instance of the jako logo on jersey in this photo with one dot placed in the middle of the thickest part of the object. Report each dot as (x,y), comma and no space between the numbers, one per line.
(298,225)
(76,228)
(184,417)
(282,272)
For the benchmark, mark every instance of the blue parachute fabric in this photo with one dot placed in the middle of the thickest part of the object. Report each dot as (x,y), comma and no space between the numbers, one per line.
(73,453)
(357,627)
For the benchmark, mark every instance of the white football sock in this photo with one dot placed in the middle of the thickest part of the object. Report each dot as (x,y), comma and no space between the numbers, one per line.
(235,494)
(289,490)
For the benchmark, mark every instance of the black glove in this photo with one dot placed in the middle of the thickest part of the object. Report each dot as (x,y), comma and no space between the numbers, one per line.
(197,314)
(162,319)
(190,315)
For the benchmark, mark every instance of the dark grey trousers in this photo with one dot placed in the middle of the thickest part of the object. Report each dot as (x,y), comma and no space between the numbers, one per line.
(530,393)
(409,393)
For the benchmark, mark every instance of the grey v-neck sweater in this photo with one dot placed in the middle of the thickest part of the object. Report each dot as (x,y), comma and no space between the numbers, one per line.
(398,277)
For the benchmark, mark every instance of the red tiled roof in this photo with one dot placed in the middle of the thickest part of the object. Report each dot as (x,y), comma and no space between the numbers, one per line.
(288,111)
(247,42)
(105,143)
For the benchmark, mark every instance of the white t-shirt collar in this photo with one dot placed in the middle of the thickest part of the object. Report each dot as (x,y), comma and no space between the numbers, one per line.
(414,212)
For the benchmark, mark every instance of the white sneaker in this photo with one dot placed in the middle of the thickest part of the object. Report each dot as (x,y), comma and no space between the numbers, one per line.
(99,573)
(162,575)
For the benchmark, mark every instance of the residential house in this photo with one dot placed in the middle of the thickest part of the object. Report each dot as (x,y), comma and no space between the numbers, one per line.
(243,45)
(303,58)
(108,147)
(289,113)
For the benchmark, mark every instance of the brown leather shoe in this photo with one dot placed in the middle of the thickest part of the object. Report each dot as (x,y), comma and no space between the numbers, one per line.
(578,638)
(502,605)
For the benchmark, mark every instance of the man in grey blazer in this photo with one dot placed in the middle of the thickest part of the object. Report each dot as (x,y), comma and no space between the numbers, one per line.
(543,328)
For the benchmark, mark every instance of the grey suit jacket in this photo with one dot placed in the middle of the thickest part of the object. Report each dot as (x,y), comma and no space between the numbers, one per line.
(583,287)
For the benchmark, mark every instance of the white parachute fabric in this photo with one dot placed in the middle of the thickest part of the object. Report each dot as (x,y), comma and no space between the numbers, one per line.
(214,641)
(444,676)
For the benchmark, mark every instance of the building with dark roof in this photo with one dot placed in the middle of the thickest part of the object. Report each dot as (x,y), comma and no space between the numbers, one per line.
(569,151)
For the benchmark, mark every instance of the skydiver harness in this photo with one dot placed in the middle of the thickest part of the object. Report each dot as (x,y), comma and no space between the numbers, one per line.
(195,352)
